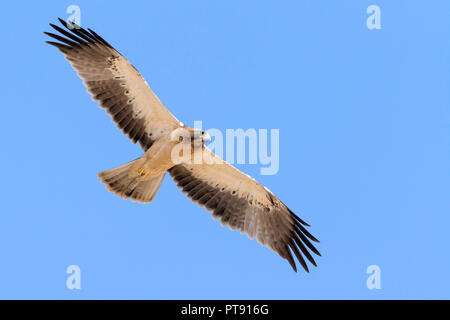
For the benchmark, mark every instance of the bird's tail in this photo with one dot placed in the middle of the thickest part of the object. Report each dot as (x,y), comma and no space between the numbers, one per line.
(117,180)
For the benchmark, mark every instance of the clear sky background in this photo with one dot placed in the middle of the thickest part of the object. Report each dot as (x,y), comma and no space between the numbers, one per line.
(364,125)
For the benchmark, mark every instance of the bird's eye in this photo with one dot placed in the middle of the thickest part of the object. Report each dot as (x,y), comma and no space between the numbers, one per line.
(180,138)
(203,133)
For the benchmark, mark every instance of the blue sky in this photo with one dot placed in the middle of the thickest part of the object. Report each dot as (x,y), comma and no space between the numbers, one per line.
(364,126)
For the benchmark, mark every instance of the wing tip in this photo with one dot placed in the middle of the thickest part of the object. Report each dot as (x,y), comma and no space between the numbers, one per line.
(78,34)
(299,240)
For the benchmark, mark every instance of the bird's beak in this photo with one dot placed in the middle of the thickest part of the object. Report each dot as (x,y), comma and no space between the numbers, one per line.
(206,137)
(201,136)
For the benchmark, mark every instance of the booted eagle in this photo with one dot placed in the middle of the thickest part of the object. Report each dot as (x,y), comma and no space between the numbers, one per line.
(232,196)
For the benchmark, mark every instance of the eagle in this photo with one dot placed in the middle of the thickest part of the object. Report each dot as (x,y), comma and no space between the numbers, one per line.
(238,200)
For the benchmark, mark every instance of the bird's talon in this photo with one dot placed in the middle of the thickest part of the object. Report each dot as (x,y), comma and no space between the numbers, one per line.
(141,172)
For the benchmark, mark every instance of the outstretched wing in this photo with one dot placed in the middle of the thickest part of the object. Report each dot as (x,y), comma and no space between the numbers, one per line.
(118,86)
(243,203)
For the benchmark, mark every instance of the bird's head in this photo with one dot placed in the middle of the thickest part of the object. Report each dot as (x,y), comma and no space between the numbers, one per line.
(186,134)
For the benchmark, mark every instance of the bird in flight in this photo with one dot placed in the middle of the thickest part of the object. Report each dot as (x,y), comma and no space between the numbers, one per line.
(232,196)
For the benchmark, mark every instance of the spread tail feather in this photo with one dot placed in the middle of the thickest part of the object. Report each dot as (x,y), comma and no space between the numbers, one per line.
(118,181)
